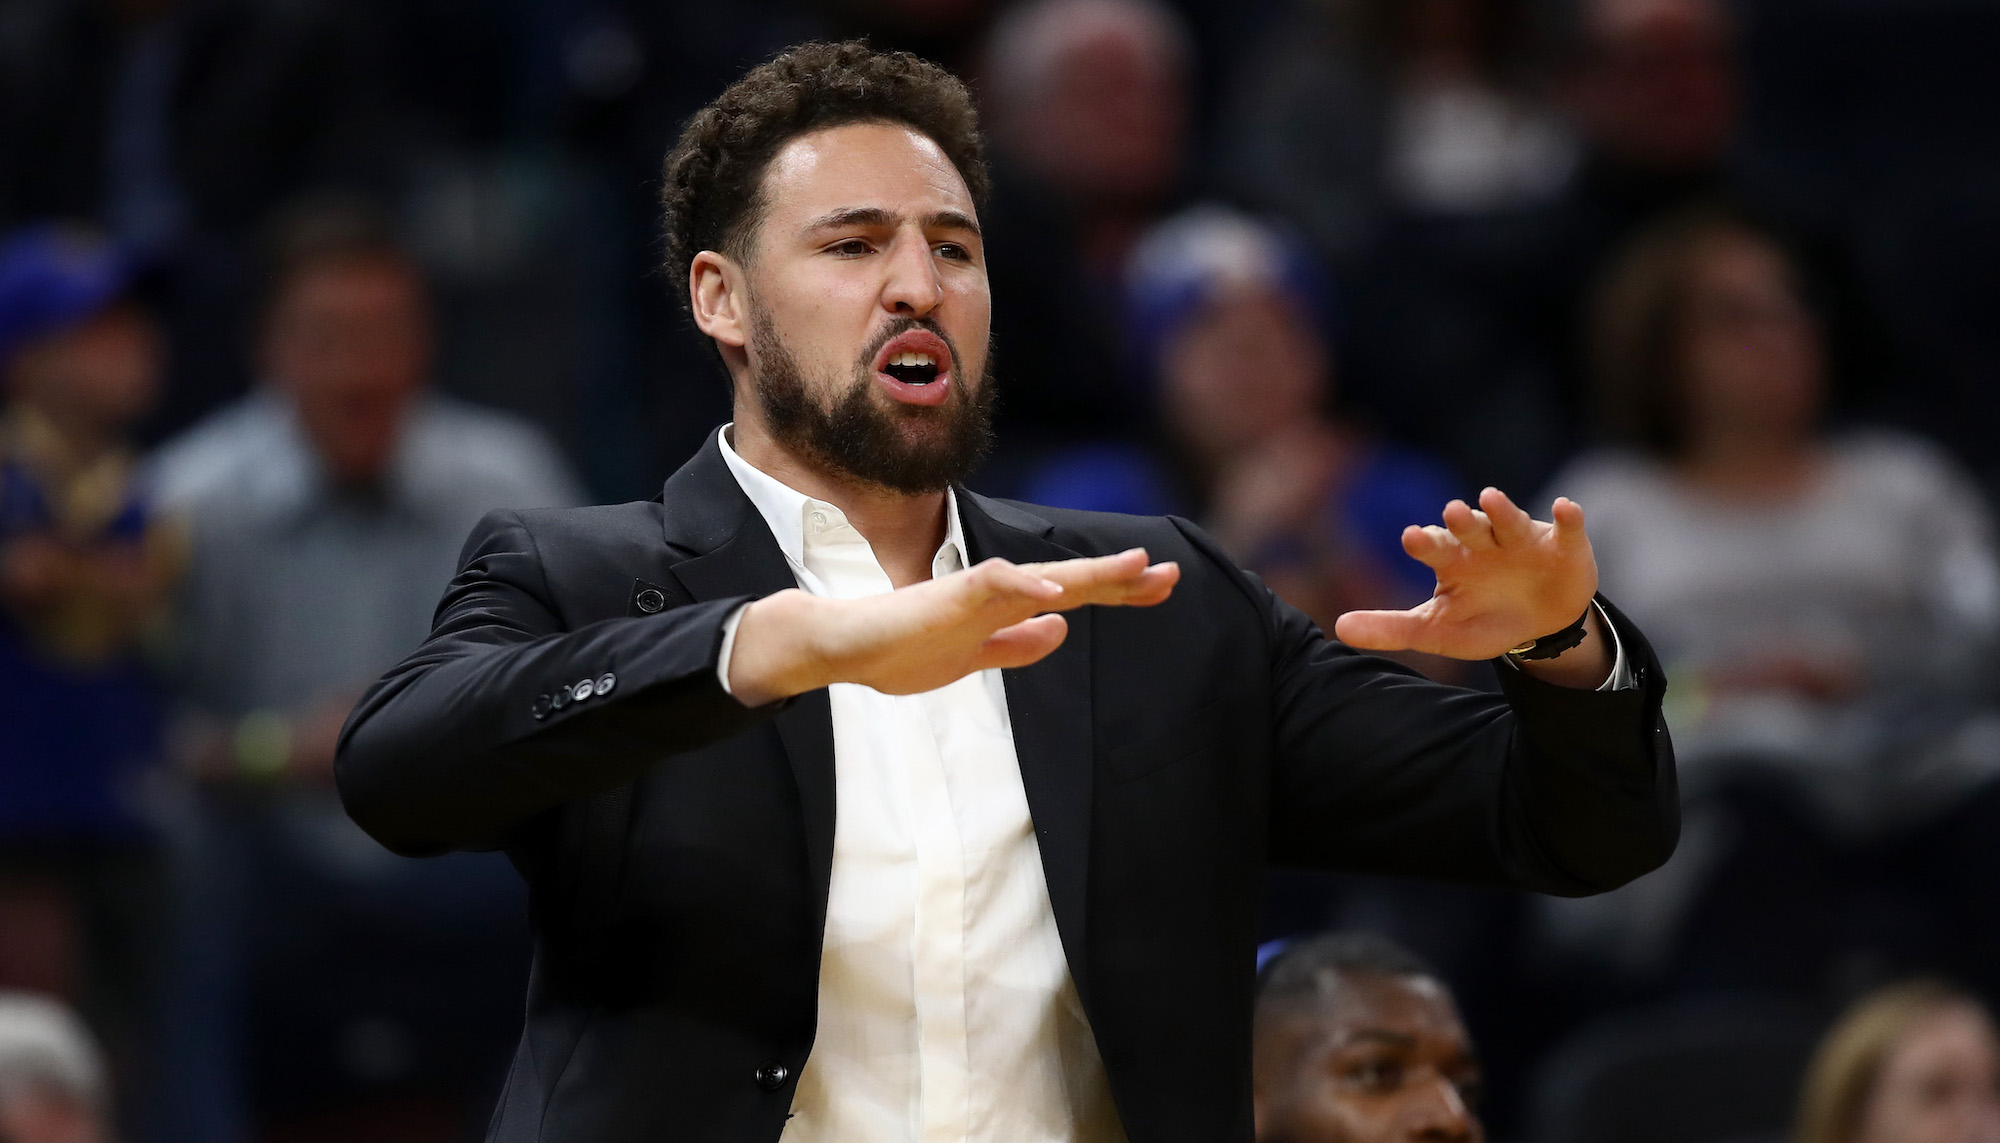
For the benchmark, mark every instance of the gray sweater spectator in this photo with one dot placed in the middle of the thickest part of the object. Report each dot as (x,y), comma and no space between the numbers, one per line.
(325,514)
(1828,603)
(326,510)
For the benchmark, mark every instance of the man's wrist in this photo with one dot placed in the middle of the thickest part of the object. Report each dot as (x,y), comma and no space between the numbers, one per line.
(1585,666)
(775,655)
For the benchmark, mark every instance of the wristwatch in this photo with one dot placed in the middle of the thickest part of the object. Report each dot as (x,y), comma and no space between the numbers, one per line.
(1549,646)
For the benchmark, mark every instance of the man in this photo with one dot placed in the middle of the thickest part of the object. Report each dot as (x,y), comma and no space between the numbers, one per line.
(1358,1041)
(325,506)
(86,565)
(323,510)
(1087,106)
(1058,769)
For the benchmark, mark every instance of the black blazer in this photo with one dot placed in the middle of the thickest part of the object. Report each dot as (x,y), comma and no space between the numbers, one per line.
(677,846)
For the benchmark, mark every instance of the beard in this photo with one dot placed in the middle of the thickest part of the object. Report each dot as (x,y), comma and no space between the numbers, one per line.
(865,436)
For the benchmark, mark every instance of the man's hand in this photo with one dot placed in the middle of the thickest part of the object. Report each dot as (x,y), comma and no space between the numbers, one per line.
(1503,579)
(927,635)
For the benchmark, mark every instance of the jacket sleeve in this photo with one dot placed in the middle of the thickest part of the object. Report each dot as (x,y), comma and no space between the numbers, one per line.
(460,743)
(1377,769)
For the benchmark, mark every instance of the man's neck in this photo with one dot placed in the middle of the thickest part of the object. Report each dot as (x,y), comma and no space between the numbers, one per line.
(904,529)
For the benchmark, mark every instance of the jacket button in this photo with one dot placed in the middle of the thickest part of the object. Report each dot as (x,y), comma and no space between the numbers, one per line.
(542,705)
(561,699)
(772,1076)
(605,682)
(583,690)
(650,600)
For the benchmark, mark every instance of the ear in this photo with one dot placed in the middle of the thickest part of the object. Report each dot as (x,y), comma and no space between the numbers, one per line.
(716,289)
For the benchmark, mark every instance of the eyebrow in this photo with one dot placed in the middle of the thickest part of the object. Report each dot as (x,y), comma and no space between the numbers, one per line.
(1396,1039)
(879,216)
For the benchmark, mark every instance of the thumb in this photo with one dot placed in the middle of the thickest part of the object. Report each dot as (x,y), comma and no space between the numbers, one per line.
(1379,630)
(1022,643)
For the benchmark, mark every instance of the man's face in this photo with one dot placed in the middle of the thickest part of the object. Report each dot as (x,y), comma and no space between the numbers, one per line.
(1386,1060)
(350,344)
(1660,91)
(1109,125)
(100,375)
(867,309)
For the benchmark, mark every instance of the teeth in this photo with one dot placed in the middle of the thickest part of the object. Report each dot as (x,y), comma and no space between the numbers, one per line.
(912,359)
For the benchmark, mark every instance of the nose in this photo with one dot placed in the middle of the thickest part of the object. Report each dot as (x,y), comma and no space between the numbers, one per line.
(1442,1116)
(912,287)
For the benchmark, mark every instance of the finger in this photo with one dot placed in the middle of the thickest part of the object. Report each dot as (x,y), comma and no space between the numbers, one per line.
(1020,644)
(1153,587)
(1469,525)
(1511,525)
(997,582)
(1087,569)
(1118,579)
(1379,630)
(1568,517)
(1431,545)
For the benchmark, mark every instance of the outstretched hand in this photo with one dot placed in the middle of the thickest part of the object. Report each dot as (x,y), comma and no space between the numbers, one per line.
(1503,579)
(930,634)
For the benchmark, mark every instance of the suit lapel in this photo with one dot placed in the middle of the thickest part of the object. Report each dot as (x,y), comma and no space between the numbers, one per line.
(732,552)
(1050,708)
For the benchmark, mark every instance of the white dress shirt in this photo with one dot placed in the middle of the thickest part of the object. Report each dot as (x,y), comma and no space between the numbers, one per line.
(946,1009)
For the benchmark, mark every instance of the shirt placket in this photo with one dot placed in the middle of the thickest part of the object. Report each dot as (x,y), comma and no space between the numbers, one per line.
(939,935)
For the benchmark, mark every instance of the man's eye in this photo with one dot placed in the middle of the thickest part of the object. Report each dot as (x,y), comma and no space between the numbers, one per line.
(850,246)
(1377,1075)
(954,251)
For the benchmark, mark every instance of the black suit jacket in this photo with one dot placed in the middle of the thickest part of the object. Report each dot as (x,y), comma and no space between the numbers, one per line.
(677,845)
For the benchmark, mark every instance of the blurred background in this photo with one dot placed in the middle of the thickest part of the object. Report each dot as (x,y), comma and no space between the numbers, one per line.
(292,291)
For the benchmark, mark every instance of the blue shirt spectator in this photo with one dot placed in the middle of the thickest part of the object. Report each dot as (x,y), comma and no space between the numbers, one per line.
(84,559)
(1226,318)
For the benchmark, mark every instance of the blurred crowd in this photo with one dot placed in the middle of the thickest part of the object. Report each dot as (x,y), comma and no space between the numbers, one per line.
(293,291)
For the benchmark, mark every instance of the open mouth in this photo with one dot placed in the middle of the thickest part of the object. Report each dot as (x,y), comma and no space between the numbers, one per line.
(914,367)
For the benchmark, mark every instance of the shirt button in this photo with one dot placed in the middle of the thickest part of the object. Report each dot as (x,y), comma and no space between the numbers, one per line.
(772,1076)
(605,682)
(650,601)
(584,690)
(542,705)
(819,522)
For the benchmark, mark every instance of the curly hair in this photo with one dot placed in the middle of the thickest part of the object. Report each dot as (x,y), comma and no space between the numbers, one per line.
(713,194)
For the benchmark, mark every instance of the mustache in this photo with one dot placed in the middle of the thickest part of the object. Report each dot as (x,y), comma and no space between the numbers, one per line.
(899,326)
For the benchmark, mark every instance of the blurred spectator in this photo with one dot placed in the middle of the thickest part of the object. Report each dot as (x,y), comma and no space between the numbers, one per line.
(1479,314)
(84,562)
(1357,1041)
(1227,316)
(1827,604)
(1087,106)
(341,489)
(1654,85)
(85,567)
(52,1081)
(325,514)
(1913,1063)
(1358,108)
(1798,583)
(172,123)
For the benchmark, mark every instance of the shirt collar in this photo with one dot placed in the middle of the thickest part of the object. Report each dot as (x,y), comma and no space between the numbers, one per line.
(784,510)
